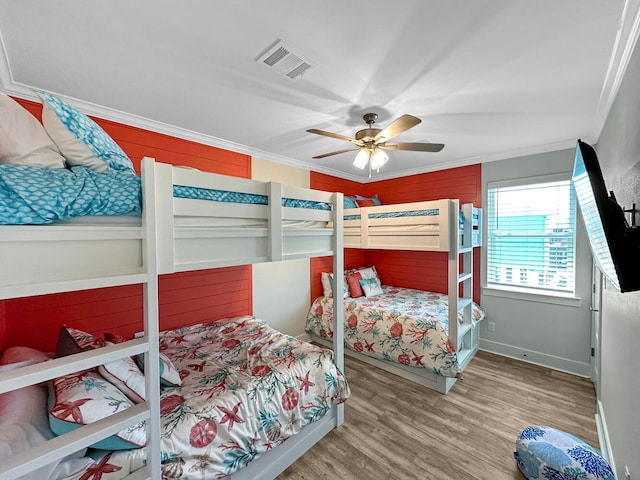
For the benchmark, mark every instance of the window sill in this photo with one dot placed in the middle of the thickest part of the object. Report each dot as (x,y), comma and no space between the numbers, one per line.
(568,301)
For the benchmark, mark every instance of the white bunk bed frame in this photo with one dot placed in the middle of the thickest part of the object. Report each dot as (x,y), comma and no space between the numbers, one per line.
(438,233)
(174,236)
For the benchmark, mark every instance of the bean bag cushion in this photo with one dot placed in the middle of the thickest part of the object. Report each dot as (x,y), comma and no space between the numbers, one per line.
(548,454)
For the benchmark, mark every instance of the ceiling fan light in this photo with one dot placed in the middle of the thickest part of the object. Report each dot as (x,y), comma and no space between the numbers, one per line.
(362,158)
(378,159)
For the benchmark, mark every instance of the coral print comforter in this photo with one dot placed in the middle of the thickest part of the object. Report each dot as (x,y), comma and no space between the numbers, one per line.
(401,325)
(246,388)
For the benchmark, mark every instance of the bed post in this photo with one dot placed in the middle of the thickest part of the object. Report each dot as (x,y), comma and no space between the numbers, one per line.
(452,271)
(150,307)
(162,202)
(338,292)
(275,222)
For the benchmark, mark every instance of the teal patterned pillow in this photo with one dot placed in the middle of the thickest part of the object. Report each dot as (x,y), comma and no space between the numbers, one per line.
(548,454)
(371,287)
(81,140)
(350,202)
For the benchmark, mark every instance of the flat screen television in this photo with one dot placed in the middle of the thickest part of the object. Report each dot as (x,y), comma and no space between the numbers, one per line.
(614,244)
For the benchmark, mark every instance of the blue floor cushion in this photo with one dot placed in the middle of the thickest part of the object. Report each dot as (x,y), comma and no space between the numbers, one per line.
(548,454)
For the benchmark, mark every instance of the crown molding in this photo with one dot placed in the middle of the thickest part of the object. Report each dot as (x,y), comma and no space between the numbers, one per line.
(626,39)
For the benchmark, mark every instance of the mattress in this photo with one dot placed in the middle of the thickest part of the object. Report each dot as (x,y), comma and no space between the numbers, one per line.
(402,325)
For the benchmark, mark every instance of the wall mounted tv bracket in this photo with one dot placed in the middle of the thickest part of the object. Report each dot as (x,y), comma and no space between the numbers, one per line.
(633,210)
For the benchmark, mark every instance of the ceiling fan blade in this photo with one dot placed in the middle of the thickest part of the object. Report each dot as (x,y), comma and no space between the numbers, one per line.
(414,147)
(405,122)
(336,153)
(334,135)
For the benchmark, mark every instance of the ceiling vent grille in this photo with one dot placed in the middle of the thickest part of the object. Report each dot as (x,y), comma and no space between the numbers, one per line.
(284,61)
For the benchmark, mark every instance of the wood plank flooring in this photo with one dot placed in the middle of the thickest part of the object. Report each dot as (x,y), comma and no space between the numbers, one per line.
(395,429)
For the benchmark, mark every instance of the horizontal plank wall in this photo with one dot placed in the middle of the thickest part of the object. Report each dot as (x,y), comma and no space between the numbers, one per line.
(412,269)
(463,183)
(328,183)
(185,298)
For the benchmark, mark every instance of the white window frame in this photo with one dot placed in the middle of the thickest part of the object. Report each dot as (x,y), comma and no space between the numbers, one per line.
(516,292)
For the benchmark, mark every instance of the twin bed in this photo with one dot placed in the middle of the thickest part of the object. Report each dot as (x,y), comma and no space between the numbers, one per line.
(269,397)
(426,337)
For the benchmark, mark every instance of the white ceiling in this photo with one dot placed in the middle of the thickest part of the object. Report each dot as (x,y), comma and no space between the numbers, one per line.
(490,79)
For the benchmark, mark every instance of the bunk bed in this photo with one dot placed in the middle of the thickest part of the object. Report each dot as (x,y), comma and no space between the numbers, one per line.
(178,231)
(426,337)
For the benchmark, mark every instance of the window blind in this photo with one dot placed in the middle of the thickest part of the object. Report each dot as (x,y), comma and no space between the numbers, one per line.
(531,237)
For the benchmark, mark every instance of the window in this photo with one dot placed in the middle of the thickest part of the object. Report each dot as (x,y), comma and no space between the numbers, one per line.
(531,237)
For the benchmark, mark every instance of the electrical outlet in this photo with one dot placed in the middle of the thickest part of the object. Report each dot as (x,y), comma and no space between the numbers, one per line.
(491,326)
(627,475)
(138,335)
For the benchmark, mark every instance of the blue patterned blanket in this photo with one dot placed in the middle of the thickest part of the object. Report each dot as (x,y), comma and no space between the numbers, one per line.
(31,195)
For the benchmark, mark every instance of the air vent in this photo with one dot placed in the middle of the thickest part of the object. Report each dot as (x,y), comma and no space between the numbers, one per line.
(284,61)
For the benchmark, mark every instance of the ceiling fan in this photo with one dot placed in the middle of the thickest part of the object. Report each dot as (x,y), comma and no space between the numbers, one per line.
(372,141)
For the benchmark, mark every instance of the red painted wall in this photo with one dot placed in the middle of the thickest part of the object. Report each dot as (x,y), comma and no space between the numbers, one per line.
(185,298)
(412,269)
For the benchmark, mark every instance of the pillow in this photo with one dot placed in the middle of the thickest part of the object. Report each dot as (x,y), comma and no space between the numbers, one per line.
(327,285)
(350,202)
(371,287)
(22,356)
(546,453)
(23,414)
(367,272)
(81,140)
(71,340)
(354,285)
(86,397)
(125,374)
(353,280)
(114,337)
(374,199)
(366,203)
(169,374)
(23,140)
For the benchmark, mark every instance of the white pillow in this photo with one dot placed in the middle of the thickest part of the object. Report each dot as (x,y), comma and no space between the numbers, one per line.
(23,140)
(81,140)
(83,398)
(327,285)
(23,414)
(125,374)
(92,398)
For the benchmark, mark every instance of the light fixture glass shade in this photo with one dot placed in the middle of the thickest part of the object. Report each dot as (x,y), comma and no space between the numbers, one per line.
(362,158)
(378,159)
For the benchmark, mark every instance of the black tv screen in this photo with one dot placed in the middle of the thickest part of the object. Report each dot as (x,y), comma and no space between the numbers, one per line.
(614,244)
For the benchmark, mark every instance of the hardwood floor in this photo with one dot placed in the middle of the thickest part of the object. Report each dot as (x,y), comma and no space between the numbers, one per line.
(395,429)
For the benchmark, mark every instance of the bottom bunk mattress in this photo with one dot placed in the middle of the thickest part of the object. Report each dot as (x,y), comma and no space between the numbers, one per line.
(401,325)
(245,389)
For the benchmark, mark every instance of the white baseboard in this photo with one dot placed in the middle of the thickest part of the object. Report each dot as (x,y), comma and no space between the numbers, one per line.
(603,436)
(538,358)
(304,337)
